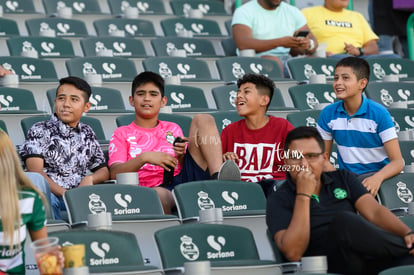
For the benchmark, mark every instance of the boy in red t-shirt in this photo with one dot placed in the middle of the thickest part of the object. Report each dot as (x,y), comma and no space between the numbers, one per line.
(256,142)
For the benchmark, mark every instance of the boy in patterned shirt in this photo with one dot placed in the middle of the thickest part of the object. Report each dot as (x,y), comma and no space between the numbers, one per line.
(63,149)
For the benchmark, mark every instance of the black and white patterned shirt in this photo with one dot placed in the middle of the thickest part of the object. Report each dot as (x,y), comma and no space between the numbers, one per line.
(68,153)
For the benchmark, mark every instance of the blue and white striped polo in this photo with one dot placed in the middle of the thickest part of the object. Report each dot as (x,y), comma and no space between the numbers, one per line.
(360,138)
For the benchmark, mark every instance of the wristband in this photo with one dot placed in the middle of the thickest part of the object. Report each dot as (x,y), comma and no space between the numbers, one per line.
(409,233)
(306,195)
(361,51)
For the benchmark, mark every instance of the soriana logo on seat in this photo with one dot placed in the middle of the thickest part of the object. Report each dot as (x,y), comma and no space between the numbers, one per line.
(218,243)
(231,198)
(124,200)
(101,250)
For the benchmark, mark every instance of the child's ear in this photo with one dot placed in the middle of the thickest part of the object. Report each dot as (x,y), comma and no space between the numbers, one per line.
(265,100)
(163,101)
(363,82)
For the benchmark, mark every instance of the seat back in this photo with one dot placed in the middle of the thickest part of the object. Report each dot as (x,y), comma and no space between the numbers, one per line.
(380,67)
(30,69)
(225,97)
(397,191)
(232,68)
(47,47)
(125,202)
(185,98)
(204,242)
(195,47)
(403,119)
(78,7)
(207,7)
(224,118)
(304,118)
(95,124)
(233,197)
(199,27)
(187,69)
(407,151)
(229,47)
(121,46)
(62,27)
(3,126)
(301,69)
(132,27)
(112,69)
(398,270)
(387,93)
(183,121)
(17,6)
(8,27)
(308,96)
(105,250)
(17,101)
(103,100)
(144,7)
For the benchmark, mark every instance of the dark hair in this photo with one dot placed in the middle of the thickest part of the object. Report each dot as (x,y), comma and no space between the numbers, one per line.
(304,132)
(79,83)
(148,77)
(359,66)
(264,85)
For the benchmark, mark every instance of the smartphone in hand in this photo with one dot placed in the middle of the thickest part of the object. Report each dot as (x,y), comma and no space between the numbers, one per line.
(169,175)
(302,34)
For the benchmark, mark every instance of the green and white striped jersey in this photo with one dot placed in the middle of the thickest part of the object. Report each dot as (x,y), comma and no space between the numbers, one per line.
(33,218)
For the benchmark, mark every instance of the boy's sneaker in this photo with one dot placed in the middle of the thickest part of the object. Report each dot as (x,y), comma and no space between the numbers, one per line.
(229,171)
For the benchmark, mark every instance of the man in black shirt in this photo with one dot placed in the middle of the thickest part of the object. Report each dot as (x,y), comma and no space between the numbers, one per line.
(315,213)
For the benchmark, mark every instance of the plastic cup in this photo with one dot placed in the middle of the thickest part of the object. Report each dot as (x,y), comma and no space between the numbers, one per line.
(105,52)
(131,12)
(130,178)
(195,13)
(211,216)
(9,80)
(46,253)
(248,52)
(391,78)
(314,264)
(65,12)
(74,255)
(317,78)
(32,54)
(178,53)
(93,79)
(48,33)
(172,80)
(100,220)
(197,268)
(83,270)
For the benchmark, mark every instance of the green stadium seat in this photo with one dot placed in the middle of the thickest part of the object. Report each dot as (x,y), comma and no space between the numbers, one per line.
(311,96)
(131,27)
(126,47)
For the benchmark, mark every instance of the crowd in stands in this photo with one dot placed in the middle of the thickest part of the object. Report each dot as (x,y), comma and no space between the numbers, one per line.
(312,208)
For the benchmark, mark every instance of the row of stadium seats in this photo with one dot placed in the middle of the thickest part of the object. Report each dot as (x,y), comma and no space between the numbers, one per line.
(403,120)
(182,99)
(229,68)
(113,7)
(90,26)
(165,241)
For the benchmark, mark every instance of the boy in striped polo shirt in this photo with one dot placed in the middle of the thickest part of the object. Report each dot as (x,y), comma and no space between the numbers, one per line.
(362,129)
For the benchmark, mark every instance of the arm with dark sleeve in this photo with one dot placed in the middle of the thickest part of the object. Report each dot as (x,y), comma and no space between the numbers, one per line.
(289,224)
